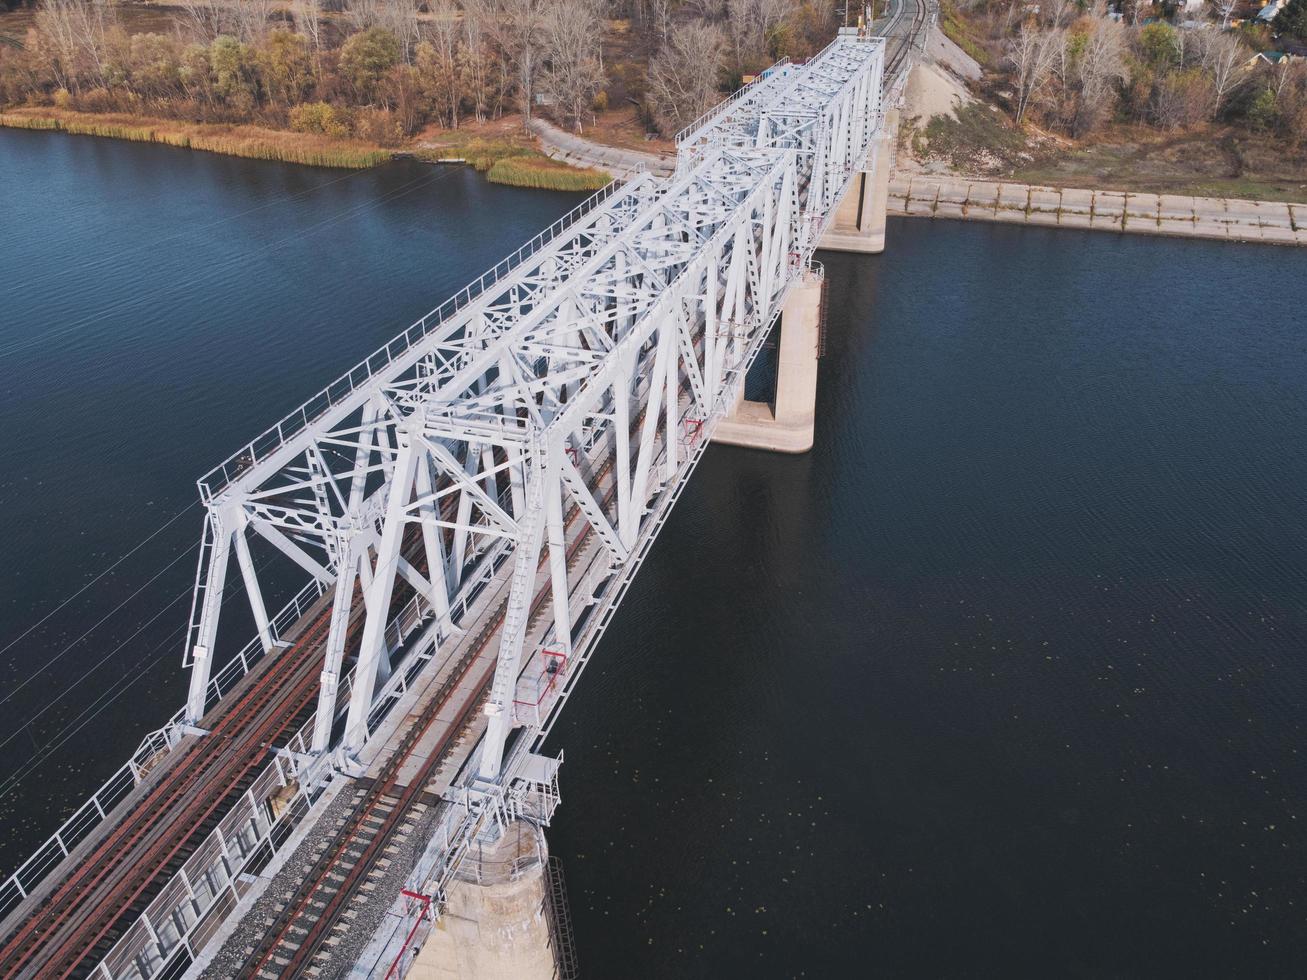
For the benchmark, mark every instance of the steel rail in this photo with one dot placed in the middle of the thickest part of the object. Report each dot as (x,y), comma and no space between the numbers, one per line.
(381,789)
(180,779)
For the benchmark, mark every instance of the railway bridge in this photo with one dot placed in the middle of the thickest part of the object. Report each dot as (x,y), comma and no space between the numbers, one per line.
(430,550)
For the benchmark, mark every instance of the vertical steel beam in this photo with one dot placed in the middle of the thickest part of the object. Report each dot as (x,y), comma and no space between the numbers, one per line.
(373,649)
(215,580)
(512,633)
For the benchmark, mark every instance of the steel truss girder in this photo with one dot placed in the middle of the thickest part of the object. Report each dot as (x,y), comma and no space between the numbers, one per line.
(564,380)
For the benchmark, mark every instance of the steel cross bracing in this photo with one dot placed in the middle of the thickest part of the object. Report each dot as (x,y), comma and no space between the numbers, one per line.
(584,374)
(473,432)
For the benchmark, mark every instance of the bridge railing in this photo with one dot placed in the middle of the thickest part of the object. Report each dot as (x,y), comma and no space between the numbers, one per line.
(222,476)
(766,76)
(154,746)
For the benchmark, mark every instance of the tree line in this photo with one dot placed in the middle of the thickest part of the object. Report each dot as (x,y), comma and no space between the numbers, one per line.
(383,69)
(1073,69)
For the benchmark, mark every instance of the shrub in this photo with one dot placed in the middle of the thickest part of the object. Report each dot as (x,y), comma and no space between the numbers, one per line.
(318,117)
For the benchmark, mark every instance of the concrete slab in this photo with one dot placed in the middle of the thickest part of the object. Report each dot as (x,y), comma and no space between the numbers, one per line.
(1109,204)
(921,206)
(1242,210)
(1006,214)
(1075,219)
(1042,218)
(1207,228)
(1045,200)
(1077,199)
(1013,197)
(1298,215)
(1284,236)
(1275,214)
(949,209)
(1243,233)
(953,192)
(1183,227)
(1142,206)
(1176,206)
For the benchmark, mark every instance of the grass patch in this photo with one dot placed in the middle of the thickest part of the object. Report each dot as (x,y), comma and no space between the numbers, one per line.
(961,33)
(480,152)
(545,174)
(978,139)
(514,160)
(251,142)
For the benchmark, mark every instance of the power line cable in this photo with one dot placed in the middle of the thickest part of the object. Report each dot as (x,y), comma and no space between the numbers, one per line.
(155,533)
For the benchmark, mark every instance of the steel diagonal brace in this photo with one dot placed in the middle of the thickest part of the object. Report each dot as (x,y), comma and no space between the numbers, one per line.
(593,512)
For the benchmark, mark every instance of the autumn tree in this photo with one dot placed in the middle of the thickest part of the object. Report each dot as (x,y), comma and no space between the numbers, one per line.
(365,58)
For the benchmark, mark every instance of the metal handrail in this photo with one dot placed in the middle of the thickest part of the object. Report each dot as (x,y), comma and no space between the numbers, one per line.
(276,436)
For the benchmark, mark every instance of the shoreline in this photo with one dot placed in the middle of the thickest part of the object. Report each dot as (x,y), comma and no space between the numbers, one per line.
(248,142)
(1182,216)
(283,146)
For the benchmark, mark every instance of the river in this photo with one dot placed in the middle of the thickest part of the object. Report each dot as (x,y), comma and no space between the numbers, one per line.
(1006,677)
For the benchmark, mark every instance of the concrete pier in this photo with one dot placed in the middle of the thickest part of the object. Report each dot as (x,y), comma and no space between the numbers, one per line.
(786,426)
(496,921)
(859,224)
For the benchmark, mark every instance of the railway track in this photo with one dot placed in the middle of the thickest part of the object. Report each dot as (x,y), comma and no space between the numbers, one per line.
(80,920)
(106,892)
(384,813)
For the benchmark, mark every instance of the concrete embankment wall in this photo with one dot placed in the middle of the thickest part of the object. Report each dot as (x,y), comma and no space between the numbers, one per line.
(1152,214)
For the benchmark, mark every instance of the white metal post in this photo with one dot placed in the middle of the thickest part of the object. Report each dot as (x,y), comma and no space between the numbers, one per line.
(202,654)
(373,648)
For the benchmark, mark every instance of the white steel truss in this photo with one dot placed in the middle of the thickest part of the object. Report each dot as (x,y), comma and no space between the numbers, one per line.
(576,383)
(562,381)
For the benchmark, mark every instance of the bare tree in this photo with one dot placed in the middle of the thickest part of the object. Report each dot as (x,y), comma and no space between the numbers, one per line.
(1032,53)
(519,28)
(1101,68)
(204,18)
(248,20)
(76,31)
(749,23)
(1221,57)
(1223,9)
(660,16)
(438,62)
(308,21)
(683,75)
(573,32)
(400,17)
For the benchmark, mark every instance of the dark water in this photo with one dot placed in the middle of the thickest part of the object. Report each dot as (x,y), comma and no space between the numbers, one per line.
(1005,678)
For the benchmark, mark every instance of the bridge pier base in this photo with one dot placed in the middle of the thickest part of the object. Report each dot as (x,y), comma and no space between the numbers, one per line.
(859,224)
(787,425)
(496,923)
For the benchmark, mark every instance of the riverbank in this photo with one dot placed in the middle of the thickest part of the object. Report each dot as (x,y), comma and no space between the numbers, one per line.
(250,142)
(1225,219)
(514,163)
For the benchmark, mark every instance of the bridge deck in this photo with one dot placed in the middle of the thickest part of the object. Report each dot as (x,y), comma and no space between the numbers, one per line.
(316,912)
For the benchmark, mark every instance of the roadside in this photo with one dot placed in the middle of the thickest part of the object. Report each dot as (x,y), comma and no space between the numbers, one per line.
(581,152)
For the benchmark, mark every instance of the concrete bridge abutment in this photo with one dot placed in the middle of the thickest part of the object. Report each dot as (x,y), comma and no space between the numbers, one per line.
(498,922)
(786,425)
